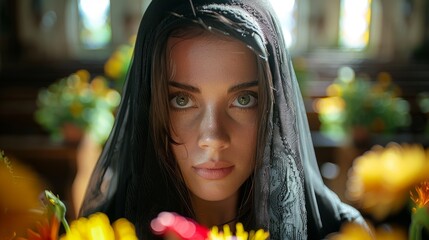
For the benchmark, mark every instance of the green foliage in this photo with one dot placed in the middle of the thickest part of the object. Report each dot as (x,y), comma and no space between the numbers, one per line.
(359,102)
(76,100)
(423,101)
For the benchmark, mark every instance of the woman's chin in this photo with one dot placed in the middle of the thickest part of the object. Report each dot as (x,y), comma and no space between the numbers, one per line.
(214,194)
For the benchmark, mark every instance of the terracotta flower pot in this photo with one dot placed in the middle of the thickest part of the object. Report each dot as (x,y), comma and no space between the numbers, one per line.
(360,136)
(72,134)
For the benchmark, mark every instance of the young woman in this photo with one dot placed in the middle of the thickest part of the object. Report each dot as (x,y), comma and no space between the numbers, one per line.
(212,126)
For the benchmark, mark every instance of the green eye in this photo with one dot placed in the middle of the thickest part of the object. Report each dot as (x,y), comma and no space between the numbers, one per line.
(243,100)
(181,100)
(246,100)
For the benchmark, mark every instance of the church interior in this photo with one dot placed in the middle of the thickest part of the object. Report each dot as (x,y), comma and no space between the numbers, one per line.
(363,68)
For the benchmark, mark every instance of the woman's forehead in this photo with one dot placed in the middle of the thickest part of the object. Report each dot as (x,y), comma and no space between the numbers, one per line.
(201,43)
(211,59)
(205,38)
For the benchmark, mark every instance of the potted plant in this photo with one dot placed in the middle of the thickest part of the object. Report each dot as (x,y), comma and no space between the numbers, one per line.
(358,107)
(75,105)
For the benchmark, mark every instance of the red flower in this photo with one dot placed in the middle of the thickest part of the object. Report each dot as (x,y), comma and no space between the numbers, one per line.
(422,198)
(45,230)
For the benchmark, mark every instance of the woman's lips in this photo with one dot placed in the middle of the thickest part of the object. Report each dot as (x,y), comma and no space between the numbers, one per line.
(213,173)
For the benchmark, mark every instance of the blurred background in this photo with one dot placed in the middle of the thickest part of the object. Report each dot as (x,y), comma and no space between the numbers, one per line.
(363,67)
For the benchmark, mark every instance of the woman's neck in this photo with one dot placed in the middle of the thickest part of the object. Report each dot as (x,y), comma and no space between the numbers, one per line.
(215,213)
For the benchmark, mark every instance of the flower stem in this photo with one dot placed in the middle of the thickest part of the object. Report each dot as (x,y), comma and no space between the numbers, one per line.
(415,231)
(66,225)
(419,221)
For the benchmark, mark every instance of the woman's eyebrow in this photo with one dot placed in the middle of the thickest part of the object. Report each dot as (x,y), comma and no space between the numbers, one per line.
(242,86)
(184,86)
(197,90)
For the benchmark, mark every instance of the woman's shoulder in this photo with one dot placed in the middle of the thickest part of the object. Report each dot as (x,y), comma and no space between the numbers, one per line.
(330,214)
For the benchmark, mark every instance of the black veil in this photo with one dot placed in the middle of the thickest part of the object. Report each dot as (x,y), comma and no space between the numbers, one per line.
(128,180)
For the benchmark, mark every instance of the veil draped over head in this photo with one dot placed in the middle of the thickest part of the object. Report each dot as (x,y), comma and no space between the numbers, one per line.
(128,180)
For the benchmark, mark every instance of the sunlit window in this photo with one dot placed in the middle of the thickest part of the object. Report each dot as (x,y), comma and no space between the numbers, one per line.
(286,11)
(355,20)
(95,31)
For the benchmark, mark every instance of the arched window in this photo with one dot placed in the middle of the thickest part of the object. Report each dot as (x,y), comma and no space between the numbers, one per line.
(95,28)
(94,23)
(354,24)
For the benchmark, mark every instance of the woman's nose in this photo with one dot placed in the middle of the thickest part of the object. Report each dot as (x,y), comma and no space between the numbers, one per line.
(213,131)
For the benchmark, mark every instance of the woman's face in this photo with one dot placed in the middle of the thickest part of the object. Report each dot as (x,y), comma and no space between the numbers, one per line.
(213,96)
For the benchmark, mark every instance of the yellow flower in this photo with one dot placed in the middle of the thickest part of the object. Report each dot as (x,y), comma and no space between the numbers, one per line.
(113,66)
(381,178)
(97,227)
(83,75)
(240,234)
(330,105)
(99,86)
(19,202)
(171,226)
(353,231)
(334,90)
(124,230)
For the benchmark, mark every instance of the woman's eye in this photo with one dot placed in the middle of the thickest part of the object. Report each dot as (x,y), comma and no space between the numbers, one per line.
(181,101)
(246,100)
